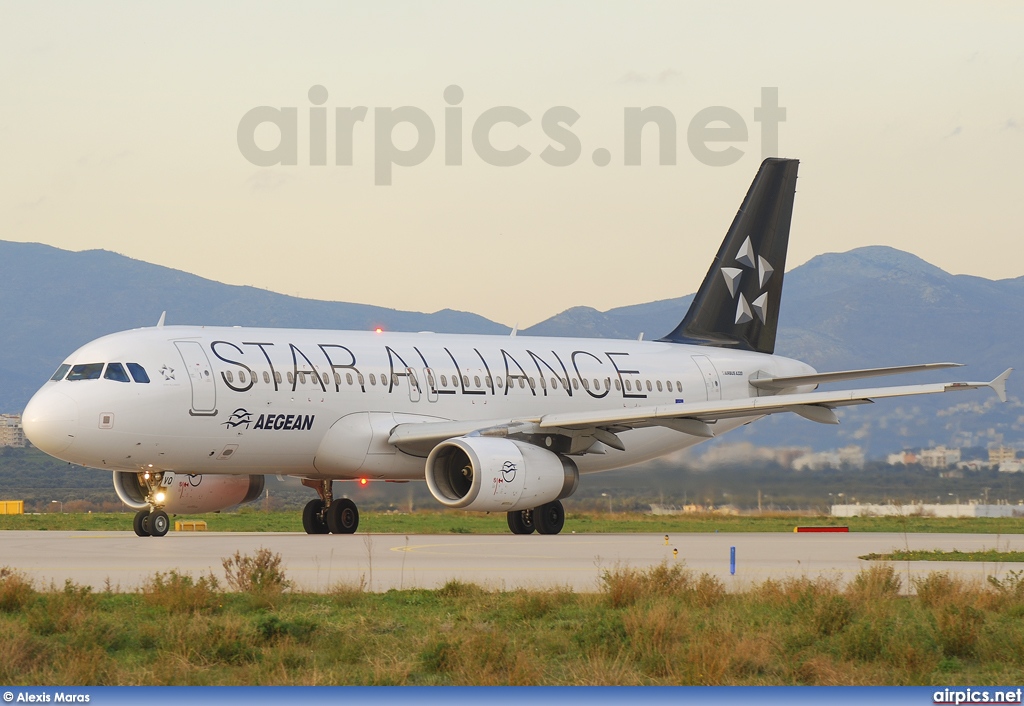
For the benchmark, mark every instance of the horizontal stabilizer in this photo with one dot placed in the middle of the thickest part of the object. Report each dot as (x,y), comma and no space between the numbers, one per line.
(782,383)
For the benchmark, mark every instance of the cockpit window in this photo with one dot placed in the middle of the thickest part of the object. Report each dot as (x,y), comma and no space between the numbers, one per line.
(138,372)
(115,372)
(86,371)
(61,372)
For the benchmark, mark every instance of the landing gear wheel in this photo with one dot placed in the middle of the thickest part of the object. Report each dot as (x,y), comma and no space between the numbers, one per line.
(342,516)
(140,523)
(521,522)
(158,523)
(313,517)
(549,518)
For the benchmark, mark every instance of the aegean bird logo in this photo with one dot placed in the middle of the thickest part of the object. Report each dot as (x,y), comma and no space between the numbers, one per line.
(238,417)
(753,265)
(508,471)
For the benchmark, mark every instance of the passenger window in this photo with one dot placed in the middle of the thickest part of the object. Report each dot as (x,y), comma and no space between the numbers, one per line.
(476,380)
(533,384)
(586,385)
(337,378)
(348,378)
(115,372)
(543,383)
(61,372)
(618,386)
(430,379)
(597,385)
(659,385)
(500,383)
(302,378)
(385,378)
(266,377)
(490,382)
(554,383)
(575,385)
(522,384)
(86,371)
(359,377)
(649,386)
(444,381)
(277,377)
(291,378)
(241,376)
(679,386)
(373,380)
(229,376)
(138,373)
(629,386)
(465,381)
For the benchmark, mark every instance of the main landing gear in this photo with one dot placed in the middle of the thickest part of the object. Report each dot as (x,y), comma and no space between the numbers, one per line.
(327,514)
(151,523)
(546,519)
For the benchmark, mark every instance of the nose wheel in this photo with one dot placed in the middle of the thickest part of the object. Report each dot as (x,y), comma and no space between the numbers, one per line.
(153,523)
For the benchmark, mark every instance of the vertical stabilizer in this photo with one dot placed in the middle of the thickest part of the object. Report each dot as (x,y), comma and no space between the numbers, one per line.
(737,306)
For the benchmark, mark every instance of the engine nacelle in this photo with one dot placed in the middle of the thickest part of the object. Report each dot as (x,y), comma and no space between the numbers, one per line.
(497,475)
(184,493)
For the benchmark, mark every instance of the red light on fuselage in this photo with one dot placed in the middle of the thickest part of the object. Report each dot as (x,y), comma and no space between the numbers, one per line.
(378,330)
(362,481)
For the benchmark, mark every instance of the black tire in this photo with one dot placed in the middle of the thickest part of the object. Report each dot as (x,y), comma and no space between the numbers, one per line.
(158,523)
(521,521)
(549,518)
(312,517)
(342,516)
(137,523)
(145,525)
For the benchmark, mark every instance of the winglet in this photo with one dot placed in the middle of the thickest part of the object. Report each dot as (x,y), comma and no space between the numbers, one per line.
(999,384)
(160,323)
(515,330)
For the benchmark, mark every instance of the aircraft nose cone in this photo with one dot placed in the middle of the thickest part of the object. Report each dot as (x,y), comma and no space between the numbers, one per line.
(50,421)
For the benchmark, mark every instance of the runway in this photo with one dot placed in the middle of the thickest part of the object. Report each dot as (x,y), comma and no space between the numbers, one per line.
(387,561)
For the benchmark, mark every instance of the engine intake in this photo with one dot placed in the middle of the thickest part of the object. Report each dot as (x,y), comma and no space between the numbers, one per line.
(497,475)
(186,493)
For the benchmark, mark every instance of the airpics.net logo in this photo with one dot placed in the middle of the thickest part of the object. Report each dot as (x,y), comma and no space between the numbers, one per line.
(715,135)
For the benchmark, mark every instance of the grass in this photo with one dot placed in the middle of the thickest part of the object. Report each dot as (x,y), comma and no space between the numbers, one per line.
(991,556)
(455,522)
(665,625)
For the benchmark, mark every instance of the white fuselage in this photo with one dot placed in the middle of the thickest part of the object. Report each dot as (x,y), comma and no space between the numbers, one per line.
(260,401)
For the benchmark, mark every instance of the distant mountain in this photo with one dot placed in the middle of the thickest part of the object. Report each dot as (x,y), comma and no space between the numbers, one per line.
(867,307)
(55,300)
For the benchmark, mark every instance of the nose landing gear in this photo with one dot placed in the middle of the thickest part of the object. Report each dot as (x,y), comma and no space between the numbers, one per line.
(151,523)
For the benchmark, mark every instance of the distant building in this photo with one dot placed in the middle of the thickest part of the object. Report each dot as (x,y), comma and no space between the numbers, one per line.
(939,457)
(903,458)
(11,433)
(852,456)
(1011,467)
(1001,454)
(745,452)
(970,509)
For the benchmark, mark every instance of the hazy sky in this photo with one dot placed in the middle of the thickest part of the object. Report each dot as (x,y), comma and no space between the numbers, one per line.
(119,124)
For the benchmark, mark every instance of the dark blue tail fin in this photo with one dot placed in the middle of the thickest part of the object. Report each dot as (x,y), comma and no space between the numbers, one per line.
(737,306)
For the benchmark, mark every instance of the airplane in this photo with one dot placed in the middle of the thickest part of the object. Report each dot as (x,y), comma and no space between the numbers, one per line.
(191,418)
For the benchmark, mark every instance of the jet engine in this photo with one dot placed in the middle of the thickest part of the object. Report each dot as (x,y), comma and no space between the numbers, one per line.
(184,493)
(497,475)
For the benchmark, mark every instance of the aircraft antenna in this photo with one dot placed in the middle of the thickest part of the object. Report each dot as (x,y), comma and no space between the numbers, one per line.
(160,323)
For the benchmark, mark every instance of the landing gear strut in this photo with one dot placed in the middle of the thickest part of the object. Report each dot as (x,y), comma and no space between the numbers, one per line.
(327,514)
(546,519)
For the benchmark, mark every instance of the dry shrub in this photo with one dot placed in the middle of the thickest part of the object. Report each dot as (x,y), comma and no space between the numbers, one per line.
(482,656)
(15,590)
(62,611)
(537,604)
(821,670)
(657,636)
(459,589)
(348,593)
(796,593)
(179,593)
(874,584)
(624,586)
(260,574)
(756,656)
(21,654)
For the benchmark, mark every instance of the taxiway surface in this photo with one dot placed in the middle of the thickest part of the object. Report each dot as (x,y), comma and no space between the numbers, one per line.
(386,561)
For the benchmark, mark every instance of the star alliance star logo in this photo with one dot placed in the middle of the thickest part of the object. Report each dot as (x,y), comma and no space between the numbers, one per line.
(167,371)
(745,312)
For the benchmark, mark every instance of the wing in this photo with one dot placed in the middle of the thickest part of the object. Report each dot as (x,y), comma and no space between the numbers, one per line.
(694,418)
